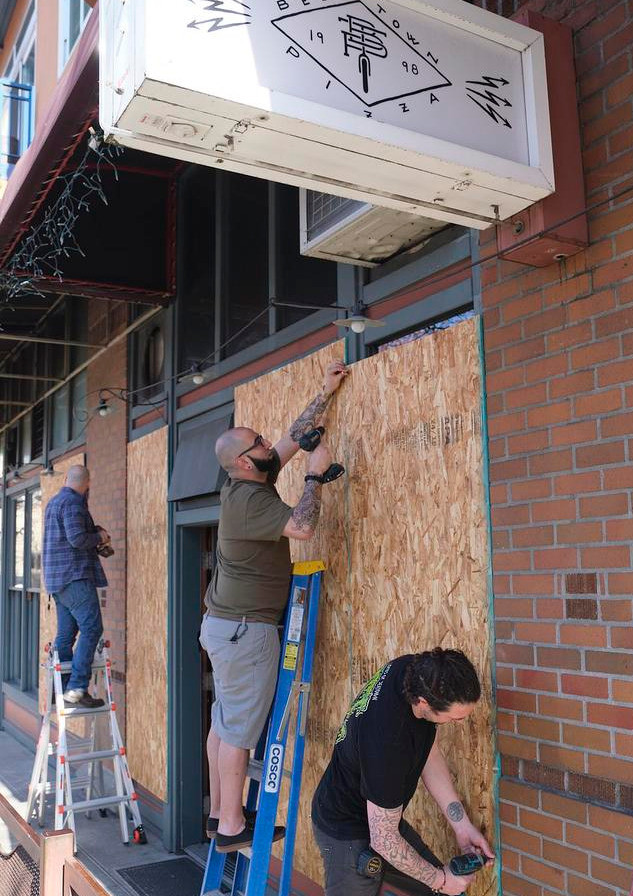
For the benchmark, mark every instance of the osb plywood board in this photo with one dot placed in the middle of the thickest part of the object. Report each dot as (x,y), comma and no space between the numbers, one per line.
(50,485)
(405,539)
(146,672)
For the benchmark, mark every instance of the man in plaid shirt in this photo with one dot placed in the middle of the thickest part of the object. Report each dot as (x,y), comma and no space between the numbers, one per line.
(72,574)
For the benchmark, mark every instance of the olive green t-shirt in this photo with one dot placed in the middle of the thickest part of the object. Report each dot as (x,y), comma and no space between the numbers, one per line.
(253,568)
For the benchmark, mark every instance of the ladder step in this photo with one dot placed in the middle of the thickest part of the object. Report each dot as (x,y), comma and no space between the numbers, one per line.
(99,802)
(83,710)
(67,667)
(256,767)
(97,754)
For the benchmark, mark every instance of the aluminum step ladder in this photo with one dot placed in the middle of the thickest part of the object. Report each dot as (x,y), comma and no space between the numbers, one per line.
(250,874)
(83,753)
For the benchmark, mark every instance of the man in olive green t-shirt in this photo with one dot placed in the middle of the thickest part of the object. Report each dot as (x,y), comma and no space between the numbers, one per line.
(246,599)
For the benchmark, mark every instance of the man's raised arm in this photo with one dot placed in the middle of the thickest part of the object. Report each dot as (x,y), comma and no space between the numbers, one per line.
(288,444)
(305,516)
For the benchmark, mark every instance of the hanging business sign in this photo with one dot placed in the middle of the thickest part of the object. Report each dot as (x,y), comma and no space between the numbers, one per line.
(436,108)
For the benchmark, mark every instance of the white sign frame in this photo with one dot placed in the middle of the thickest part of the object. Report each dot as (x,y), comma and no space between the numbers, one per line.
(453,182)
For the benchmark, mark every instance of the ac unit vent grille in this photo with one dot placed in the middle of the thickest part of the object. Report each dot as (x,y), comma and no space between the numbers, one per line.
(325,211)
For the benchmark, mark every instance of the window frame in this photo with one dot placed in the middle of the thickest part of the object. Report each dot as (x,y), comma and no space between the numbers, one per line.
(23,46)
(65,50)
(21,648)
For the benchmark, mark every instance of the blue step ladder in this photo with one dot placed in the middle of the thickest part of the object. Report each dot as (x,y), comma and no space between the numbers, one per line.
(250,875)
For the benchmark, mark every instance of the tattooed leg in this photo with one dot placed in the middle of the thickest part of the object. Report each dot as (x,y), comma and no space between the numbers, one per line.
(307,420)
(306,514)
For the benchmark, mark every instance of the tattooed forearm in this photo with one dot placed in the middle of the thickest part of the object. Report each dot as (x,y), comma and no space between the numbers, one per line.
(389,843)
(454,812)
(306,514)
(307,420)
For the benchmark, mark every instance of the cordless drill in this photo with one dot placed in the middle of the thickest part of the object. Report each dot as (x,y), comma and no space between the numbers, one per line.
(308,442)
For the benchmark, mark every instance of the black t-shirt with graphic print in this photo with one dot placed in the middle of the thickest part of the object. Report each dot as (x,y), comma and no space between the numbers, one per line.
(379,754)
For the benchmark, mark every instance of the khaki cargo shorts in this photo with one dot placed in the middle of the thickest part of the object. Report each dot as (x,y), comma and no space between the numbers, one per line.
(244,677)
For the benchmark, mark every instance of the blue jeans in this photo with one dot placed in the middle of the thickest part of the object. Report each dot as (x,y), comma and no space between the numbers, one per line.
(78,612)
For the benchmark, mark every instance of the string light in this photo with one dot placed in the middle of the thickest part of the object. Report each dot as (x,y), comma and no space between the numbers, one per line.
(47,244)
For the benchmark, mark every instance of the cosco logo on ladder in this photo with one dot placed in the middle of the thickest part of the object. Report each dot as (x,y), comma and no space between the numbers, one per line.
(274,768)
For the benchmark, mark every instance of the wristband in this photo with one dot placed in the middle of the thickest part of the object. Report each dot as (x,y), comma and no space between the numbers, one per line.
(313,477)
(439,889)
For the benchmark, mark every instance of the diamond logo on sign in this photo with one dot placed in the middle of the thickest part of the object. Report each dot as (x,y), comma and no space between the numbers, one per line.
(362,52)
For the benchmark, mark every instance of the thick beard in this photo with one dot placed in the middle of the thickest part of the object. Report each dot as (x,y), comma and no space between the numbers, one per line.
(270,465)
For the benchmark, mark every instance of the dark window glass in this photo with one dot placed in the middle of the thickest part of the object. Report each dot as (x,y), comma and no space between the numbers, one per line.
(197,306)
(150,362)
(37,434)
(299,278)
(246,279)
(12,447)
(80,411)
(61,411)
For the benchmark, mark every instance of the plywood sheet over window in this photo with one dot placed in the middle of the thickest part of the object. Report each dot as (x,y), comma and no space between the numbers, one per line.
(50,485)
(146,704)
(405,538)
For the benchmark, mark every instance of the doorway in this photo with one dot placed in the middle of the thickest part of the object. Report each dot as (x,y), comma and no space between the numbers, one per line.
(208,538)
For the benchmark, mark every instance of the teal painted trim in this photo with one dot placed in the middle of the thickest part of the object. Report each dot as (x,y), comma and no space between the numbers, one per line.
(491,597)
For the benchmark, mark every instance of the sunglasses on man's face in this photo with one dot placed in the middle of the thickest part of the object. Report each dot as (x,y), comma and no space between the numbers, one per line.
(259,440)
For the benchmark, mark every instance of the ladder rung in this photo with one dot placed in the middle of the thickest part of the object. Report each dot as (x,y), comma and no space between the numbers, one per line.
(97,754)
(83,711)
(255,768)
(67,667)
(96,803)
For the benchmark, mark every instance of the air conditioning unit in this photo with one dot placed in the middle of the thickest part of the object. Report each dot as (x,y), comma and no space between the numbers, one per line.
(356,232)
(434,108)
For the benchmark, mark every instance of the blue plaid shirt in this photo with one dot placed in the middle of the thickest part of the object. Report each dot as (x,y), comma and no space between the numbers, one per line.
(70,541)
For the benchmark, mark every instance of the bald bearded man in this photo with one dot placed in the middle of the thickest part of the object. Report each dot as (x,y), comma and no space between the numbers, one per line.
(246,599)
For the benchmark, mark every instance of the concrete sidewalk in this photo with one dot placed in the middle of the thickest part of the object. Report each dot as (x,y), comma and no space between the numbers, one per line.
(99,839)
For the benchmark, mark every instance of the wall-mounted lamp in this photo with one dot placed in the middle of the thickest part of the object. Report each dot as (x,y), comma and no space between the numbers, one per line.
(103,408)
(357,321)
(196,374)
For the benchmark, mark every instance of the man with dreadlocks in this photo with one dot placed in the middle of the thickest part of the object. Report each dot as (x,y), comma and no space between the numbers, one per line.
(384,746)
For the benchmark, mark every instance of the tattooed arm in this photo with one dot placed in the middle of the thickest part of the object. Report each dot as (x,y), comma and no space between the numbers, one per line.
(386,840)
(305,516)
(437,780)
(288,445)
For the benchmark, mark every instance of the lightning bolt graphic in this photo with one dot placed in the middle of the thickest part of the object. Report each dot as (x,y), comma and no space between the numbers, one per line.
(491,101)
(217,23)
(489,81)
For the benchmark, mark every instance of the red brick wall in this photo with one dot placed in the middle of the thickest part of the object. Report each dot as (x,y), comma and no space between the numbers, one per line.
(559,358)
(106,450)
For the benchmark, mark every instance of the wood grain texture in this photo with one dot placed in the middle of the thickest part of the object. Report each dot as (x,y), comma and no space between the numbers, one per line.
(146,691)
(405,538)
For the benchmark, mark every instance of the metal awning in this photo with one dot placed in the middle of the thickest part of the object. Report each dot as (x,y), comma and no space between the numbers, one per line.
(196,468)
